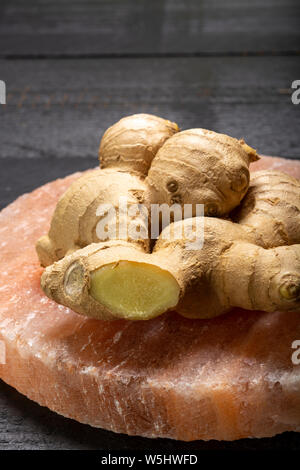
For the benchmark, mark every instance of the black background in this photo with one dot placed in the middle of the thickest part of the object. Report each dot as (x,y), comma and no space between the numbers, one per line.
(74,67)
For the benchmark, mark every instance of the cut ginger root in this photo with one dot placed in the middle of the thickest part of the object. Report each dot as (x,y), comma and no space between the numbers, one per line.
(110,281)
(134,290)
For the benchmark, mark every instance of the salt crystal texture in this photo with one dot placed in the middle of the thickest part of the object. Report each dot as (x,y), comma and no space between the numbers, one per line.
(227,378)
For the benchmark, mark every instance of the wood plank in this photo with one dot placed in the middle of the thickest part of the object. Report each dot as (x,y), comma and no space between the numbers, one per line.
(61,108)
(19,178)
(104,27)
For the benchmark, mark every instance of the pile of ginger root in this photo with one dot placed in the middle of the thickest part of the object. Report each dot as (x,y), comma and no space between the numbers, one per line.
(250,256)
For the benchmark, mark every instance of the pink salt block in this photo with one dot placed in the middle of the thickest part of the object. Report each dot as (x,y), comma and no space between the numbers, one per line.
(227,378)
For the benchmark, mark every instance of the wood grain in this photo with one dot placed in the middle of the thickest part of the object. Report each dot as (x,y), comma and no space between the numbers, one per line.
(105,27)
(61,108)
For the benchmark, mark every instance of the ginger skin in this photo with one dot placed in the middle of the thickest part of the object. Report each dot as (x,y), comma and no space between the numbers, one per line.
(126,151)
(179,173)
(131,144)
(204,167)
(272,207)
(74,223)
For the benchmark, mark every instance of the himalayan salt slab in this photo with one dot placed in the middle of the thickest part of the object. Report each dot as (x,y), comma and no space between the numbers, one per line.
(227,378)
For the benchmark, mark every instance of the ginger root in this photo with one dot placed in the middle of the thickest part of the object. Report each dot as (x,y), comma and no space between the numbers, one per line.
(75,220)
(119,280)
(126,151)
(112,280)
(192,167)
(204,167)
(272,207)
(132,143)
(251,260)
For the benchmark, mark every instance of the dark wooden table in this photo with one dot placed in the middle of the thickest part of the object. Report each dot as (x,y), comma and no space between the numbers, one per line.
(72,68)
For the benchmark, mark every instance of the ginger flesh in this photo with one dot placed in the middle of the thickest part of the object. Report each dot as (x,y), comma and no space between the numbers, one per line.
(134,290)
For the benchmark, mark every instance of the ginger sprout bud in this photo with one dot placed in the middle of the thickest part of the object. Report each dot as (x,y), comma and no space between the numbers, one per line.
(241,183)
(290,290)
(75,280)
